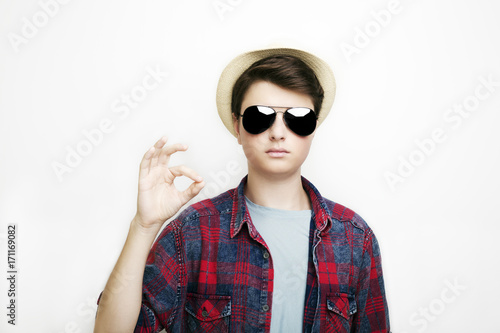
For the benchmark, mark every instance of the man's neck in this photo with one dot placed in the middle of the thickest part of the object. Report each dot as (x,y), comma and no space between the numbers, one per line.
(277,192)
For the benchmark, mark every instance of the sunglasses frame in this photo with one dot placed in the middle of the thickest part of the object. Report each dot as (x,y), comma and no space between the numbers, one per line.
(284,118)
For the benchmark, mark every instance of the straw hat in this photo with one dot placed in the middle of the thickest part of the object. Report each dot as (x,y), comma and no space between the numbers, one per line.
(239,64)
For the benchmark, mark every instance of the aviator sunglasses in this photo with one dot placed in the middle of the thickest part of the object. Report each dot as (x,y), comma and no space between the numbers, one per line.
(259,118)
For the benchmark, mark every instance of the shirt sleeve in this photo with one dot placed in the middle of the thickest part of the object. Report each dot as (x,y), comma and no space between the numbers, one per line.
(372,314)
(160,283)
(147,320)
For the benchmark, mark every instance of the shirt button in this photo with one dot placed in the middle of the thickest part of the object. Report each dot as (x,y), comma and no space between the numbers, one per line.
(266,254)
(265,307)
(204,313)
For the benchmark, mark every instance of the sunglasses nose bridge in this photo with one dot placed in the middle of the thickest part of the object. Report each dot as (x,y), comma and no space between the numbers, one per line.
(278,127)
(276,117)
(282,114)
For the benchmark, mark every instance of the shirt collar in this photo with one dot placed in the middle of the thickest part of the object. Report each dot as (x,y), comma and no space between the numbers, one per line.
(240,216)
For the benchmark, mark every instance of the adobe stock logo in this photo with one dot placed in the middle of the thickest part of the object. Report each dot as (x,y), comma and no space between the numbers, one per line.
(223,6)
(121,108)
(363,37)
(426,146)
(30,27)
(218,181)
(437,306)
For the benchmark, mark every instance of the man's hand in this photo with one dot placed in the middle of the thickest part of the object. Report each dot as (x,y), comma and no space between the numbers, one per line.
(158,199)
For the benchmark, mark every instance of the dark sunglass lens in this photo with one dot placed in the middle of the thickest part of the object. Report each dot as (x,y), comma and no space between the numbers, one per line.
(257,119)
(302,121)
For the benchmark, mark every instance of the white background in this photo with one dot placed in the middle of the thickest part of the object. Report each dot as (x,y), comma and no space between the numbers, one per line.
(438,227)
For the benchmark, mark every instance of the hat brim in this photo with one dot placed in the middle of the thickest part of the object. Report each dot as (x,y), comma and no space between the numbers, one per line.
(239,64)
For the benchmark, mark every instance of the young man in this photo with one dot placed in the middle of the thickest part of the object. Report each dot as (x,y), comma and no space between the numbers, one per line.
(271,255)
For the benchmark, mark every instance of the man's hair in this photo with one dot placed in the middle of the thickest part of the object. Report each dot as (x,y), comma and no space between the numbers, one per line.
(286,71)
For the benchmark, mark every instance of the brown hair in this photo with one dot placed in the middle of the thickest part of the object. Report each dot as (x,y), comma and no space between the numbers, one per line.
(286,71)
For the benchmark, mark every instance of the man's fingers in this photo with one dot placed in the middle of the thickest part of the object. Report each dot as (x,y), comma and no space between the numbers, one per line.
(195,187)
(159,155)
(148,156)
(158,149)
(146,161)
(193,190)
(182,170)
(169,150)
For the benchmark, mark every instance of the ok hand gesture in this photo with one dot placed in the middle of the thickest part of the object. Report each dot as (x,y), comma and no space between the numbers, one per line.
(158,199)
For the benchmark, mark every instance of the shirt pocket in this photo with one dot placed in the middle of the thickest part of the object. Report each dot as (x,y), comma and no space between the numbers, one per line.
(208,313)
(341,307)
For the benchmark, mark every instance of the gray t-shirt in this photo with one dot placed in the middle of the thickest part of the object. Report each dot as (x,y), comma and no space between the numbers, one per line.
(286,233)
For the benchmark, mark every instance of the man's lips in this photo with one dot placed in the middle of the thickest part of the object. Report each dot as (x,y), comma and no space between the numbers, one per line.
(277,152)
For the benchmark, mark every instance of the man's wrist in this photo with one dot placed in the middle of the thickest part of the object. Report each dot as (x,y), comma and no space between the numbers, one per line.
(137,226)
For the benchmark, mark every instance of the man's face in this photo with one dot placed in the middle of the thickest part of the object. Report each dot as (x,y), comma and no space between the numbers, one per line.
(259,148)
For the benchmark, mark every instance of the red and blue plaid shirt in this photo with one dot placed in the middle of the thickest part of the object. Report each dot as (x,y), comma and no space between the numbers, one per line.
(210,271)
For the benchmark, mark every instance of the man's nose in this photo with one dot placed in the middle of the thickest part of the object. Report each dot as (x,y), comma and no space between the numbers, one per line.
(278,129)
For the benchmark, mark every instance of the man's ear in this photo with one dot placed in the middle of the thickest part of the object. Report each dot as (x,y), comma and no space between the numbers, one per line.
(236,126)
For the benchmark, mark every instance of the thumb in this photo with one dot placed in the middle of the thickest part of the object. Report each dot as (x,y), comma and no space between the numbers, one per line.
(192,190)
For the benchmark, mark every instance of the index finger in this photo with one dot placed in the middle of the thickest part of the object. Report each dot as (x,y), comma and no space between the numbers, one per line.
(182,170)
(165,153)
(146,159)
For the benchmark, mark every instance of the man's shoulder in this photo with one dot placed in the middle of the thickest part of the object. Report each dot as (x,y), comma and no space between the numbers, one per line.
(343,214)
(220,204)
(336,211)
(190,217)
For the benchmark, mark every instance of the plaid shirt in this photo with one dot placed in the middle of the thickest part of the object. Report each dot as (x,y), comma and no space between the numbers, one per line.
(210,271)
